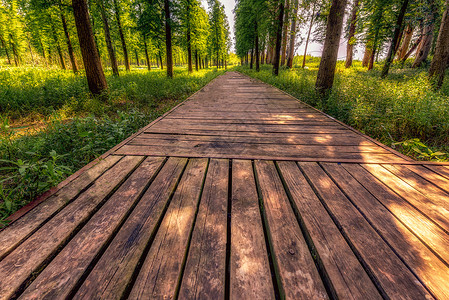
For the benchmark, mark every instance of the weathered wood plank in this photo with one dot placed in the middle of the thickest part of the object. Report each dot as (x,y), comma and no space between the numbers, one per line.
(204,274)
(349,279)
(426,230)
(296,268)
(31,254)
(77,255)
(394,277)
(112,273)
(433,177)
(161,269)
(436,212)
(434,273)
(14,234)
(250,275)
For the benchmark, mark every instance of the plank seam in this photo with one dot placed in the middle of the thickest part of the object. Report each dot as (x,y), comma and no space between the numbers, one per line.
(365,266)
(377,231)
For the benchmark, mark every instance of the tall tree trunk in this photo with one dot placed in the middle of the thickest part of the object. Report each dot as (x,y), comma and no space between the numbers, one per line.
(122,36)
(58,47)
(441,56)
(189,42)
(326,71)
(67,38)
(312,17)
(408,33)
(279,26)
(137,57)
(252,58)
(196,60)
(351,37)
(426,43)
(169,50)
(412,48)
(367,54)
(31,51)
(147,57)
(284,32)
(92,64)
(373,53)
(6,49)
(256,42)
(107,37)
(395,41)
(291,49)
(14,50)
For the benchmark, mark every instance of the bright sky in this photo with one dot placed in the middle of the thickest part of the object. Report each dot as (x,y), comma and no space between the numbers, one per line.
(313,49)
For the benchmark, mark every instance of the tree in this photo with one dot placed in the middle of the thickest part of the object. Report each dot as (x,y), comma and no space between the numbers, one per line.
(351,36)
(278,31)
(395,40)
(122,36)
(92,64)
(427,35)
(107,37)
(440,59)
(291,48)
(326,71)
(312,19)
(168,44)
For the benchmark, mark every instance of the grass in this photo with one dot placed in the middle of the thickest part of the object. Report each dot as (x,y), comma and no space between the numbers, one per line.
(401,111)
(51,126)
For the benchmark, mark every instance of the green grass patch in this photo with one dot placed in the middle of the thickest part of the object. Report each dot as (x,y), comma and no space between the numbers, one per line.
(401,111)
(51,126)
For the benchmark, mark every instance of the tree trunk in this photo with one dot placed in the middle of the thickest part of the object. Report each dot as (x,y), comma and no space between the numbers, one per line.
(284,32)
(291,49)
(395,41)
(58,47)
(426,43)
(92,64)
(67,38)
(367,55)
(252,58)
(412,48)
(107,37)
(31,51)
(137,57)
(256,42)
(326,71)
(373,53)
(277,51)
(189,42)
(196,60)
(122,36)
(169,51)
(308,35)
(147,57)
(441,56)
(351,37)
(406,42)
(6,49)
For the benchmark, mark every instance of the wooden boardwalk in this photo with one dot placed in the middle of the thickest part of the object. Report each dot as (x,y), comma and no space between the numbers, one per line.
(241,192)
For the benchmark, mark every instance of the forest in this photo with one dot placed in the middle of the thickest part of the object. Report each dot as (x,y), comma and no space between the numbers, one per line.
(77,77)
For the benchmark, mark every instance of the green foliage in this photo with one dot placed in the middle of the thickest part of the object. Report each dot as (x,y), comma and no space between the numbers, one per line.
(400,108)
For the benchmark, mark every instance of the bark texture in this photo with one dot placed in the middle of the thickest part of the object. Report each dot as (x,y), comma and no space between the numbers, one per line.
(108,40)
(441,56)
(326,71)
(277,49)
(427,37)
(92,64)
(408,33)
(284,32)
(351,36)
(122,36)
(291,48)
(169,50)
(67,38)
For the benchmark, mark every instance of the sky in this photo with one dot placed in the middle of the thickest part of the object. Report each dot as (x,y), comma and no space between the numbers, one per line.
(313,49)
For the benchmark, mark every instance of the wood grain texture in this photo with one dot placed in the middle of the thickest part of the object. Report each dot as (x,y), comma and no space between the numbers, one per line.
(15,233)
(31,254)
(160,271)
(349,279)
(433,272)
(390,272)
(60,276)
(296,268)
(112,274)
(204,274)
(250,275)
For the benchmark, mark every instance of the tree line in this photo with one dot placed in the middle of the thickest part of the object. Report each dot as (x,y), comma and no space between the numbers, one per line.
(110,33)
(267,32)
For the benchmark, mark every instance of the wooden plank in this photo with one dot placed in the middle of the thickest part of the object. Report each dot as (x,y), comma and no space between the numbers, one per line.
(426,230)
(394,278)
(274,148)
(31,254)
(112,273)
(250,275)
(76,257)
(431,271)
(349,279)
(17,232)
(305,139)
(205,122)
(250,153)
(442,170)
(431,176)
(204,274)
(161,269)
(298,276)
(437,213)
